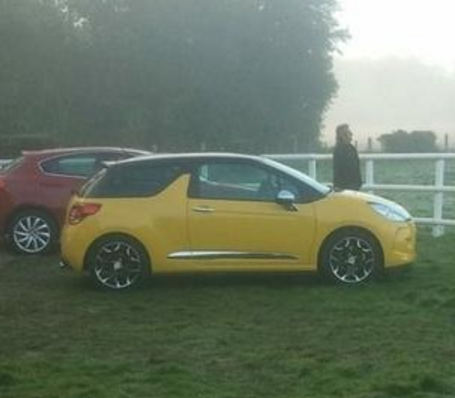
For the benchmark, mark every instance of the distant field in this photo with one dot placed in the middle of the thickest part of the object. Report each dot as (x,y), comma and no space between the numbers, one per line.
(244,336)
(401,172)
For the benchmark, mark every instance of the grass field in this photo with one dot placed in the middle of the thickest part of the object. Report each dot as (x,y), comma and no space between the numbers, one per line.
(229,336)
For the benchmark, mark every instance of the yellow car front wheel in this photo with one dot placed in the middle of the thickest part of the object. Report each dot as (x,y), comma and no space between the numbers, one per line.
(351,257)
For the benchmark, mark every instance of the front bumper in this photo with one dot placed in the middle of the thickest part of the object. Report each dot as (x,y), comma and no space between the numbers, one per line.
(402,250)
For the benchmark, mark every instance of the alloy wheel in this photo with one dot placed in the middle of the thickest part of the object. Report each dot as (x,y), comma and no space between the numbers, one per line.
(352,259)
(32,234)
(118,265)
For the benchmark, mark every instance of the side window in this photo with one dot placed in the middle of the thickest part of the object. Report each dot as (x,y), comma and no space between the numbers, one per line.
(78,166)
(136,180)
(238,181)
(82,165)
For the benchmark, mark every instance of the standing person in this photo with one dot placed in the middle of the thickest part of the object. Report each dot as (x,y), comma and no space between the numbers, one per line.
(346,164)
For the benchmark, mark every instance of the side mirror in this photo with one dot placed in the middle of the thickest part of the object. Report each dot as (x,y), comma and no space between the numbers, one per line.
(286,199)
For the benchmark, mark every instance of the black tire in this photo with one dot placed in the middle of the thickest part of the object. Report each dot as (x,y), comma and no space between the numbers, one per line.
(117,262)
(351,257)
(32,232)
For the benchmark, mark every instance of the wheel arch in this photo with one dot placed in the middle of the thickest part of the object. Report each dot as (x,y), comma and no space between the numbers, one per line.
(347,229)
(118,235)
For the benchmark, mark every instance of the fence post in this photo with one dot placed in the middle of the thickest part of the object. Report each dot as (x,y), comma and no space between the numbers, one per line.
(369,173)
(438,229)
(312,170)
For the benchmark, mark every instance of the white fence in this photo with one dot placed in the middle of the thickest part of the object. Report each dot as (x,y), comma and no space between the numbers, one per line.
(438,188)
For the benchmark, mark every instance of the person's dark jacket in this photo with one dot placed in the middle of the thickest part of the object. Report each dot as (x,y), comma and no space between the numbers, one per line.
(346,167)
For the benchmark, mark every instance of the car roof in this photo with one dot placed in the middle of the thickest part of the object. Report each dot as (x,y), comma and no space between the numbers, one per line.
(41,153)
(190,157)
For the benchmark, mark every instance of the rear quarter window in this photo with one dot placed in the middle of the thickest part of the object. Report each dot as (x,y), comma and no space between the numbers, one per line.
(138,180)
(79,166)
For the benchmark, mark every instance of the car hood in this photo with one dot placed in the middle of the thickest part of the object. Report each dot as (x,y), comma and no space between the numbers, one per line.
(363,197)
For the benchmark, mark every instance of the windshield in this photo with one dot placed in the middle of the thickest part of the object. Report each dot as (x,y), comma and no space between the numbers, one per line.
(321,188)
(9,166)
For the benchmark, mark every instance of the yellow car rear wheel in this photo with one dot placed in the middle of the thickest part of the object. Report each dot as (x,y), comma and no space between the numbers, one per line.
(117,262)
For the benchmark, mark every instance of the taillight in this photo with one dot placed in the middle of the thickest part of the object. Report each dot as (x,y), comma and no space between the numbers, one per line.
(82,210)
(2,184)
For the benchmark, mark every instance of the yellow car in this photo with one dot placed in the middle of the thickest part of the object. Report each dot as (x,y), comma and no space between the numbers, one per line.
(227,212)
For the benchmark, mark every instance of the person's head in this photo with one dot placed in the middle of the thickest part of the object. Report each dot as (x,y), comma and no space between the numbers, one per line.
(343,134)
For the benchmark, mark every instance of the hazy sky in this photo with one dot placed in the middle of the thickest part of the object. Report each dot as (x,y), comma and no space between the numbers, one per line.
(397,71)
(423,29)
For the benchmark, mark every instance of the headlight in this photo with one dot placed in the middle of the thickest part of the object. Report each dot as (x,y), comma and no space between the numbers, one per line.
(391,211)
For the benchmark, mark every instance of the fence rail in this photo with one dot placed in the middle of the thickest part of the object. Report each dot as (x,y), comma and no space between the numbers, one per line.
(438,188)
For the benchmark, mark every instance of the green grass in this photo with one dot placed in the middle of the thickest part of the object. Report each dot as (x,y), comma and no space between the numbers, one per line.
(229,336)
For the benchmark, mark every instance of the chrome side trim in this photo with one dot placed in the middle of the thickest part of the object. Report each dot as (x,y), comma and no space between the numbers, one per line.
(203,209)
(216,255)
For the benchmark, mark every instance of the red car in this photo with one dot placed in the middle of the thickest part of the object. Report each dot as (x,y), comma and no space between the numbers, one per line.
(36,187)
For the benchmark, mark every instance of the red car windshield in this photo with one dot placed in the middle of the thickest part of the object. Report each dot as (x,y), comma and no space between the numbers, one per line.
(8,167)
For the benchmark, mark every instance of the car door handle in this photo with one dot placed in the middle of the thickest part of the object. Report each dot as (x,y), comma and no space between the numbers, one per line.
(203,209)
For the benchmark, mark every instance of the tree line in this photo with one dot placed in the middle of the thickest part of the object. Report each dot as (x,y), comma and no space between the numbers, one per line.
(401,141)
(247,75)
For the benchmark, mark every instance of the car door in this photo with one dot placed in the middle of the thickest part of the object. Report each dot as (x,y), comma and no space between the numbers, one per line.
(234,219)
